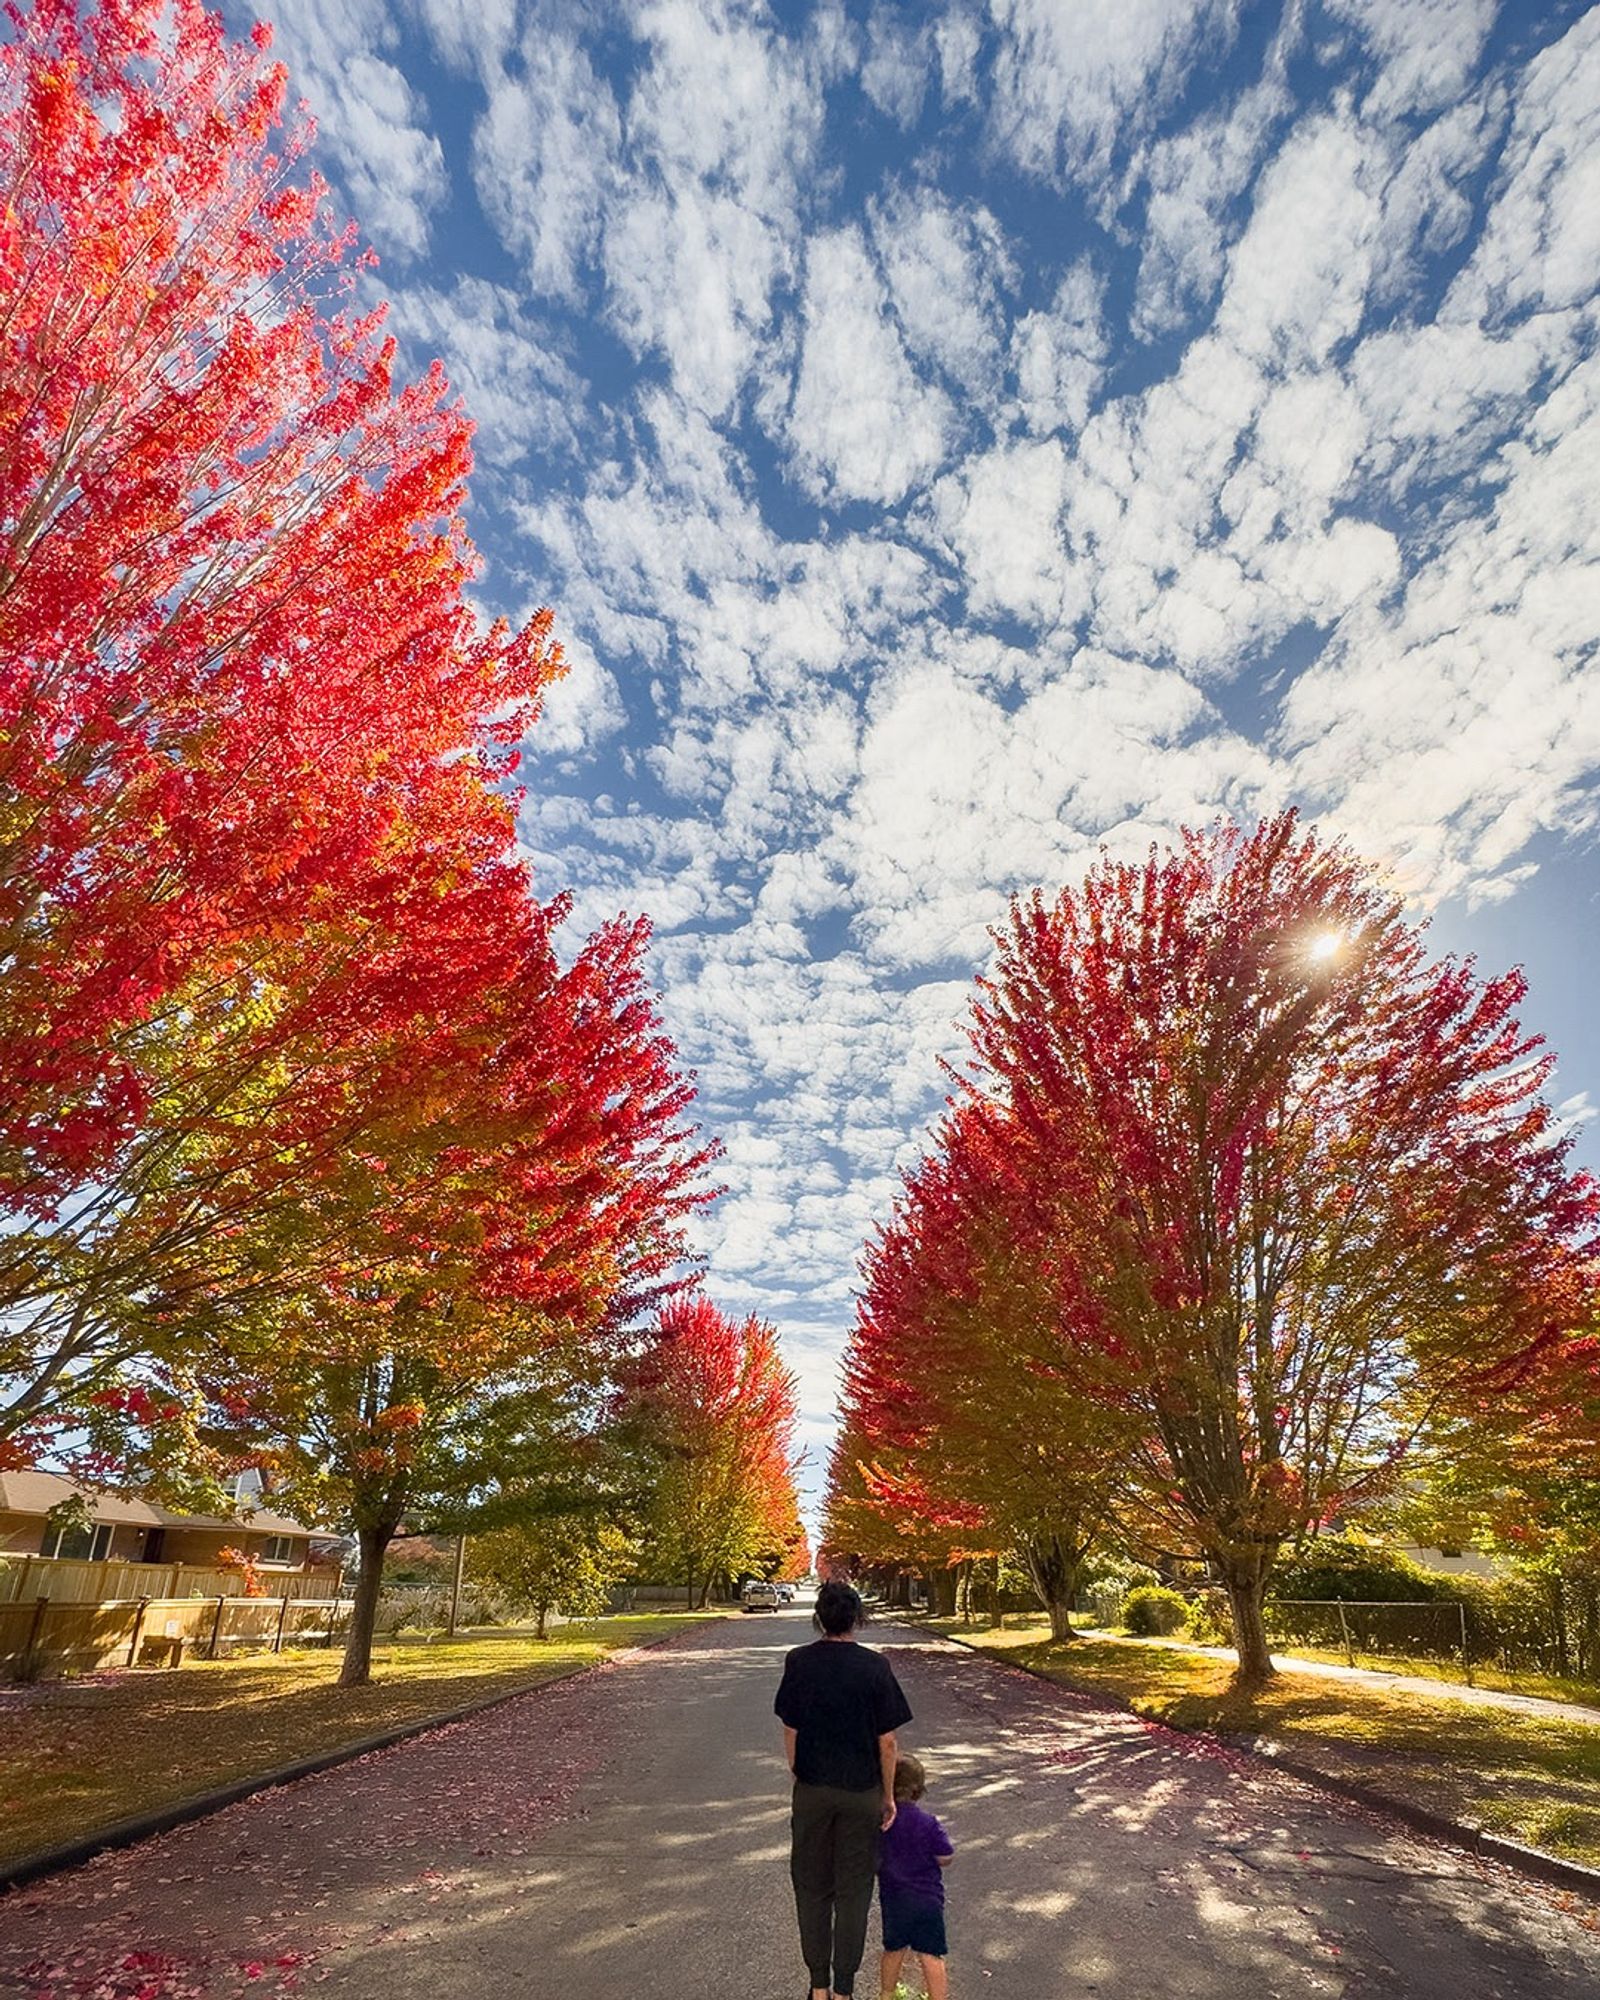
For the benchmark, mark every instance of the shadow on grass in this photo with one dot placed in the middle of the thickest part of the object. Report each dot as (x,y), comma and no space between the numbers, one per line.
(79,1755)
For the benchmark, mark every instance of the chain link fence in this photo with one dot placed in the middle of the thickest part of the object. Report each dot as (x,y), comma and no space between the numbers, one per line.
(1415,1631)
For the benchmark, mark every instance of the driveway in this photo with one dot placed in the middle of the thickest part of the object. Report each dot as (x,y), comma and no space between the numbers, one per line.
(621,1836)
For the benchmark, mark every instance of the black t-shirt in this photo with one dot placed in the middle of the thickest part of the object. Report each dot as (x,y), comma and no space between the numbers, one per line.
(840,1698)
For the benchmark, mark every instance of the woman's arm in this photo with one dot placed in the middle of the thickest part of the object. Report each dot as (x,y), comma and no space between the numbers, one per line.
(790,1738)
(888,1750)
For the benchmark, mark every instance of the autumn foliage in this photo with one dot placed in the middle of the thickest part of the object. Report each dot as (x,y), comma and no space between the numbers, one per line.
(1238,1193)
(712,1396)
(312,1146)
(964,1435)
(248,853)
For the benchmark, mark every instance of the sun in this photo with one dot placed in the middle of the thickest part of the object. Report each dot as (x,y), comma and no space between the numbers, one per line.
(1325,946)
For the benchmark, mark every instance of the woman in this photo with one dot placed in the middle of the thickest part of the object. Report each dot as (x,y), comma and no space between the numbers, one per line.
(840,1706)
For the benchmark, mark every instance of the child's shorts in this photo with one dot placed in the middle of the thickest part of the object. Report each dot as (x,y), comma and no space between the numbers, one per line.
(911,1926)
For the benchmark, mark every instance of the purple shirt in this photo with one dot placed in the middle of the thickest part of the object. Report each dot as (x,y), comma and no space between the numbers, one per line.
(908,1857)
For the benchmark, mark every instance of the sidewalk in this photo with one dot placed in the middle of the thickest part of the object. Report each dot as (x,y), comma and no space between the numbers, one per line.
(1377,1677)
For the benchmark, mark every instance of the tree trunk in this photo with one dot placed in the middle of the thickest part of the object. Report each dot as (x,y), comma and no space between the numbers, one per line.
(1559,1607)
(357,1668)
(942,1592)
(1055,1566)
(1245,1596)
(688,1590)
(544,1613)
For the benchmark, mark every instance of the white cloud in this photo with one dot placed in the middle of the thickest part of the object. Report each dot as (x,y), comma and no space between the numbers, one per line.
(691,276)
(1297,280)
(947,267)
(1435,399)
(958,39)
(1541,245)
(1428,49)
(895,73)
(522,395)
(1001,516)
(472,36)
(1193,414)
(1452,728)
(584,708)
(721,124)
(1059,355)
(1074,84)
(823,1073)
(373,125)
(966,793)
(544,159)
(862,426)
(1195,178)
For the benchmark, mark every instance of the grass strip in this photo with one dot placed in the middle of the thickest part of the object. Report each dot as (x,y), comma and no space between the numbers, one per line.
(80,1755)
(1433,1667)
(1524,1777)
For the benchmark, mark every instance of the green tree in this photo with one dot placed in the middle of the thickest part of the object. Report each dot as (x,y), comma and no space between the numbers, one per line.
(562,1562)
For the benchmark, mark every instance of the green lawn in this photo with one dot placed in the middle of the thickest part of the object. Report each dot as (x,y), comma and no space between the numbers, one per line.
(1549,1687)
(1517,1775)
(76,1755)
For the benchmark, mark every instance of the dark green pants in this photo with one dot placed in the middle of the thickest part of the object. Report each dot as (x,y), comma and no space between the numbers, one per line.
(833,1859)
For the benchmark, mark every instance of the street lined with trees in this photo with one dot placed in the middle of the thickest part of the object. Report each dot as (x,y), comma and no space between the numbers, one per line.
(333,1153)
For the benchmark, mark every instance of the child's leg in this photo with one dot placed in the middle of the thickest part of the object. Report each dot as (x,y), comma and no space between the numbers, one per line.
(889,1972)
(933,1977)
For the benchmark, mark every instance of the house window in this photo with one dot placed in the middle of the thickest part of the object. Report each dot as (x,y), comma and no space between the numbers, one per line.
(91,1544)
(278,1549)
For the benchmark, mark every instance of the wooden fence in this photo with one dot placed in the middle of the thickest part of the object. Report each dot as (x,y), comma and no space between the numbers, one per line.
(63,1580)
(49,1636)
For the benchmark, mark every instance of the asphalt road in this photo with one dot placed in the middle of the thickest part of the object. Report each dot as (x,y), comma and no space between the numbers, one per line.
(622,1836)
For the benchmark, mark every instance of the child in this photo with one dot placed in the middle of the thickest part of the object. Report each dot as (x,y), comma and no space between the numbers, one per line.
(912,1858)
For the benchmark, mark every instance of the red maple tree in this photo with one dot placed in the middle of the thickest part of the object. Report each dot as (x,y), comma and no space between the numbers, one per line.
(1295,1190)
(1306,1181)
(972,1437)
(475,1260)
(718,1408)
(249,727)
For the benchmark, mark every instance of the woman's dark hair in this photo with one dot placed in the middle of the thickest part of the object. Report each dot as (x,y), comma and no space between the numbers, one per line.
(839,1609)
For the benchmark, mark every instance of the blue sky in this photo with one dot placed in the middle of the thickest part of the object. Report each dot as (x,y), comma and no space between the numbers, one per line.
(956,436)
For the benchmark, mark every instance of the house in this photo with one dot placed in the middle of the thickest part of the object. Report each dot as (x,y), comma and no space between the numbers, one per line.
(138,1531)
(1454,1560)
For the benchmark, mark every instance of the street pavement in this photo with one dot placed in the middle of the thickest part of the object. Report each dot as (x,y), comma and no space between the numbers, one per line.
(622,1836)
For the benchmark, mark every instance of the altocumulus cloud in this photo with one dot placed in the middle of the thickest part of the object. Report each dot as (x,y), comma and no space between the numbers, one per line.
(958,437)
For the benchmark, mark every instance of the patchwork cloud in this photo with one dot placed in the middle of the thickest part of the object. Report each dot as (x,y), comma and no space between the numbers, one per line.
(957,439)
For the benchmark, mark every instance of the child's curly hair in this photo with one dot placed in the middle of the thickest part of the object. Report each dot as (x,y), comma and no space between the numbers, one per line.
(910,1779)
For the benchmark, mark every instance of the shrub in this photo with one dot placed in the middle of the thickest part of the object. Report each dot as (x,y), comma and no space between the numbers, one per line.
(1210,1620)
(1341,1566)
(1106,1584)
(1152,1611)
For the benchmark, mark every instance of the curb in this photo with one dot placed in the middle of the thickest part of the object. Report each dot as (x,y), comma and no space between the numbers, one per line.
(1465,1834)
(120,1833)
